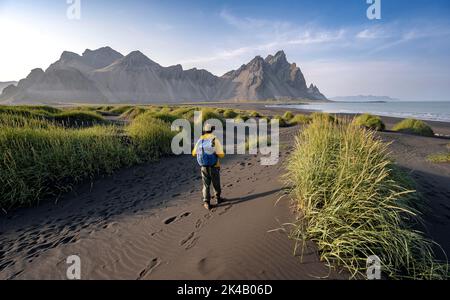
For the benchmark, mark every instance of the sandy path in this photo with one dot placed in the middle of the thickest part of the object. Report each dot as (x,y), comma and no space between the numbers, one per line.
(148,223)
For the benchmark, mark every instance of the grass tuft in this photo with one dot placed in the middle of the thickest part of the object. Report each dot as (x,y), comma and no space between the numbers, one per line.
(132,113)
(413,126)
(41,162)
(151,137)
(300,119)
(283,122)
(354,203)
(369,121)
(288,116)
(43,155)
(230,114)
(78,118)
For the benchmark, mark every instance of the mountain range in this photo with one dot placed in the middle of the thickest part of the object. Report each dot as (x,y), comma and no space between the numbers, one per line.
(106,76)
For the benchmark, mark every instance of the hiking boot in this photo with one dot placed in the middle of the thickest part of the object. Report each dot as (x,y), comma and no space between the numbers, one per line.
(207,205)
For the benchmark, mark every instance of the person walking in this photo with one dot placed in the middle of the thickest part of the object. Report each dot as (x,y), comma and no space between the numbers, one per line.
(208,151)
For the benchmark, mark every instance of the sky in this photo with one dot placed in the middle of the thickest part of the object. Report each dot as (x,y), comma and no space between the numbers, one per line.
(405,54)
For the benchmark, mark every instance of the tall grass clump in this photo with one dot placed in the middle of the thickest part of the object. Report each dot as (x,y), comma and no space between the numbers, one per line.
(118,110)
(288,115)
(74,118)
(354,204)
(414,126)
(14,120)
(40,162)
(300,119)
(151,137)
(283,122)
(255,114)
(321,116)
(369,121)
(38,108)
(185,112)
(230,114)
(29,111)
(440,157)
(208,114)
(132,113)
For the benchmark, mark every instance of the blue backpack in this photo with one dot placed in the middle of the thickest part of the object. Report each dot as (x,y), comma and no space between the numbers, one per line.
(206,153)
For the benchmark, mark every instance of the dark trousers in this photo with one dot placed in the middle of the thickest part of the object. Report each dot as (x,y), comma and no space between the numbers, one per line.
(210,175)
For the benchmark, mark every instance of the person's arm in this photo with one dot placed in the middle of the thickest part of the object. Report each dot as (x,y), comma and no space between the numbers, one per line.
(219,149)
(194,152)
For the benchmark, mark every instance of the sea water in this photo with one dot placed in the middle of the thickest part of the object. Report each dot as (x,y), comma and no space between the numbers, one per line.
(426,110)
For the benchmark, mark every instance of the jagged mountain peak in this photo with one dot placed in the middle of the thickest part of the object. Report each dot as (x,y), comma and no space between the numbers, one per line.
(279,56)
(138,58)
(68,56)
(101,51)
(138,55)
(101,57)
(91,59)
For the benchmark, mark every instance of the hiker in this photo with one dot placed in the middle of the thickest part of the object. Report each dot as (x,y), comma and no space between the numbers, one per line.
(208,150)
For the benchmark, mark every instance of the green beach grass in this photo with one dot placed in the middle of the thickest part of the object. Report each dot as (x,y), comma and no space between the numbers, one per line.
(369,121)
(354,203)
(150,136)
(300,119)
(413,126)
(440,157)
(45,151)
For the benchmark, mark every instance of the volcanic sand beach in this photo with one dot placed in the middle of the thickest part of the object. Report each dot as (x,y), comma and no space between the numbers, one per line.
(148,222)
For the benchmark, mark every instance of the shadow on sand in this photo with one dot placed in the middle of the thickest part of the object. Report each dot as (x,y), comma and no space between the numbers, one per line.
(228,201)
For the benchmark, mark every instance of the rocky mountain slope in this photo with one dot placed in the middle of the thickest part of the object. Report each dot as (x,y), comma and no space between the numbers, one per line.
(106,76)
(4,84)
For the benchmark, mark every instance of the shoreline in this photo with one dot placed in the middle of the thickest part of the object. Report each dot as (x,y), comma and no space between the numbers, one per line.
(305,109)
(440,127)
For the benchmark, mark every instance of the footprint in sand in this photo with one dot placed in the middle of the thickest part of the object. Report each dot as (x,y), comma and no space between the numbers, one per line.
(151,266)
(184,215)
(170,220)
(198,224)
(176,218)
(187,238)
(225,210)
(192,243)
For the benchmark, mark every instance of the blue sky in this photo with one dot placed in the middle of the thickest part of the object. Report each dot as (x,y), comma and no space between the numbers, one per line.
(403,55)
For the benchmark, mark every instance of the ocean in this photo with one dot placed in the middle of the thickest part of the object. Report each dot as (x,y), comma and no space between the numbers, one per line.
(429,111)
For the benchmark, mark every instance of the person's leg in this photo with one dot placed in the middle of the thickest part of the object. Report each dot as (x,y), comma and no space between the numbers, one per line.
(215,177)
(206,180)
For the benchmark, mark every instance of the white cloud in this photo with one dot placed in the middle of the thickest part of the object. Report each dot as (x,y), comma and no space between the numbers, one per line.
(318,37)
(307,38)
(248,23)
(265,37)
(372,33)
